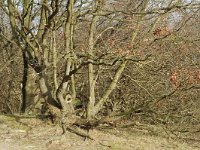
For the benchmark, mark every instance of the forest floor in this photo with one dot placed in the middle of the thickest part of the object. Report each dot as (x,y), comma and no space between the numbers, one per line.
(29,133)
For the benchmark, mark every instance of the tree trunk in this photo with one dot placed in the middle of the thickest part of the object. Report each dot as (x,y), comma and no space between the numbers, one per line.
(111,87)
(46,92)
(24,82)
(91,100)
(54,47)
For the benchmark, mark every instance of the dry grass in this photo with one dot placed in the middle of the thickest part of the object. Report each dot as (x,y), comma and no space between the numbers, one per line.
(33,134)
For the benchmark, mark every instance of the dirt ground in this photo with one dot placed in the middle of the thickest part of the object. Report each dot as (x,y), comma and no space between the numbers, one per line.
(22,133)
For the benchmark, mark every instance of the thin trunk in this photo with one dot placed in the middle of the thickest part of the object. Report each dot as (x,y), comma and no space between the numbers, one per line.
(54,47)
(91,102)
(24,83)
(111,87)
(68,35)
(26,23)
(73,87)
(42,21)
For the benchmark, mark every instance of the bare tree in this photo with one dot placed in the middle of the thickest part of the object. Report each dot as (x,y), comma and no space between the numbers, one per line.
(82,48)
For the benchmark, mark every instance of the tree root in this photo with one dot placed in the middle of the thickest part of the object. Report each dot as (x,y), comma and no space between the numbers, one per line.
(82,133)
(79,132)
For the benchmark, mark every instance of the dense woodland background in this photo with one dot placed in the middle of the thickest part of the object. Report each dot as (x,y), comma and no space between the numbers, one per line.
(101,60)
